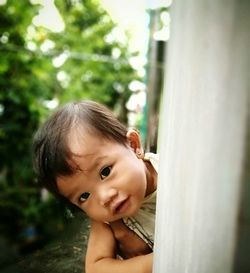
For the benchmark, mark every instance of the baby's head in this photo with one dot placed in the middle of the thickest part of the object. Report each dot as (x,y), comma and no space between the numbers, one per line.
(51,143)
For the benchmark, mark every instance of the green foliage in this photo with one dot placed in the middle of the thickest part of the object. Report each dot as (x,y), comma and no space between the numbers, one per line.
(28,79)
(21,90)
(92,71)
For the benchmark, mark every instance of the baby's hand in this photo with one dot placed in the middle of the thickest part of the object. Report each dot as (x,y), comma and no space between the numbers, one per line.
(129,243)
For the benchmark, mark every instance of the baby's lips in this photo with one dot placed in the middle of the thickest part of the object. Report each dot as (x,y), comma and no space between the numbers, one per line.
(117,204)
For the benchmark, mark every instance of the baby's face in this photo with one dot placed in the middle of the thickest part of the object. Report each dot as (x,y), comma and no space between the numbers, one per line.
(110,182)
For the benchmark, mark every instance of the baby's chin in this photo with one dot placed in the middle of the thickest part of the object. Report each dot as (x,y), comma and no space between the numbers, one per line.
(127,215)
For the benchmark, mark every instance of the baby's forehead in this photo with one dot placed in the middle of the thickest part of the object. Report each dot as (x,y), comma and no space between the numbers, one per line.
(80,134)
(81,142)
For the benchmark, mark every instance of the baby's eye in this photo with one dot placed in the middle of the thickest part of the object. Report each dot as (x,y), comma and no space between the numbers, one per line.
(105,172)
(84,196)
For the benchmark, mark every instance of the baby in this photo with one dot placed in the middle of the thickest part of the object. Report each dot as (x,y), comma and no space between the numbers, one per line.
(85,155)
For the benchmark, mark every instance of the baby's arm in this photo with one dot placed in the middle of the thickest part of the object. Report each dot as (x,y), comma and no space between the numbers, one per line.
(101,254)
(128,242)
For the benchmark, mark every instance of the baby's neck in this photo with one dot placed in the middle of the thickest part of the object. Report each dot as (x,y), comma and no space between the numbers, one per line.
(151,176)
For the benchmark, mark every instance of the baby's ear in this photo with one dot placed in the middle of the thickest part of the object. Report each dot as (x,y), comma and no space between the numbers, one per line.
(135,142)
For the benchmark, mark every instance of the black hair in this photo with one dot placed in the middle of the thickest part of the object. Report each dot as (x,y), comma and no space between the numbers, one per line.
(50,150)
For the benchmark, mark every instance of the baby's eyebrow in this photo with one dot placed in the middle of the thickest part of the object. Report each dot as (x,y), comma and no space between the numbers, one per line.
(97,162)
(94,163)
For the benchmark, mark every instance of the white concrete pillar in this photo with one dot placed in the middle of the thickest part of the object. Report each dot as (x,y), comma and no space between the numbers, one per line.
(202,136)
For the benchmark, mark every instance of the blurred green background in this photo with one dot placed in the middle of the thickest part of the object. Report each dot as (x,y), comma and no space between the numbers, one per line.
(41,69)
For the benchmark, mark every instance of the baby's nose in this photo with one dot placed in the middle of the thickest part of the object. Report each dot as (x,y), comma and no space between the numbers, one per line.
(106,195)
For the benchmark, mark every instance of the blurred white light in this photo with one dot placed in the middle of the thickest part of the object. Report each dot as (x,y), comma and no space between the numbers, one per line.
(137,62)
(119,35)
(109,38)
(60,60)
(141,72)
(31,46)
(31,32)
(47,45)
(116,53)
(136,102)
(49,10)
(3,2)
(155,4)
(137,86)
(44,194)
(63,78)
(4,38)
(165,17)
(51,104)
(162,35)
(1,109)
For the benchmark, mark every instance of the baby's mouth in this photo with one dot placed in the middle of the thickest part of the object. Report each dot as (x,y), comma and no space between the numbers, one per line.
(121,206)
